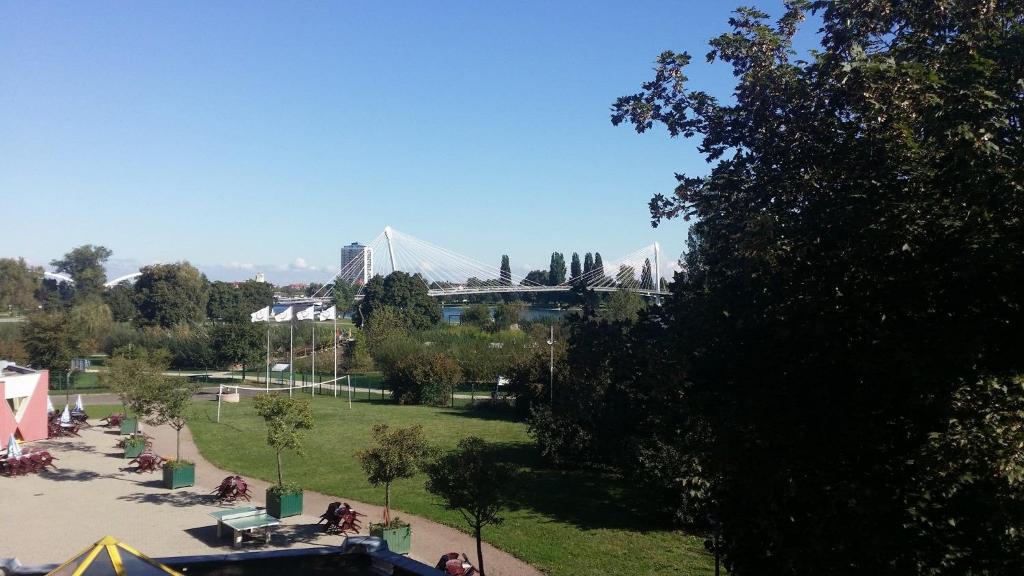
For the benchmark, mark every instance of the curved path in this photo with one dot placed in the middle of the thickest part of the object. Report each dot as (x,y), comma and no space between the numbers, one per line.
(429,539)
(49,517)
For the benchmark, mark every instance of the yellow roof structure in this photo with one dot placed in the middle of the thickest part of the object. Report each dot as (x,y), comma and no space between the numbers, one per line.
(108,557)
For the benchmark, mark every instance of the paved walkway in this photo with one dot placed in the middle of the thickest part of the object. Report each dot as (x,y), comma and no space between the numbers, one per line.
(49,517)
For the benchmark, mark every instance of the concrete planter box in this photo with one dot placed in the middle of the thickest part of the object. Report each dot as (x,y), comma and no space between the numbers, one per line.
(284,505)
(179,476)
(399,538)
(129,426)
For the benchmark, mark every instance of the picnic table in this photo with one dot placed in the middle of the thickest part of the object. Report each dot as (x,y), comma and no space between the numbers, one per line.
(242,520)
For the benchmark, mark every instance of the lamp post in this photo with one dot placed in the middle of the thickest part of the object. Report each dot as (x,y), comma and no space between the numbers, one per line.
(551,367)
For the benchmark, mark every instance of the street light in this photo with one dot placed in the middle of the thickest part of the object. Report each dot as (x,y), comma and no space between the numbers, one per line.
(551,372)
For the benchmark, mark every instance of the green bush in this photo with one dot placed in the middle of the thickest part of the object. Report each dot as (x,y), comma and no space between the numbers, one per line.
(423,377)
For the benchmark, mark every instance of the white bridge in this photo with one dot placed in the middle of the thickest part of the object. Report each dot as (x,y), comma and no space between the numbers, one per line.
(447,273)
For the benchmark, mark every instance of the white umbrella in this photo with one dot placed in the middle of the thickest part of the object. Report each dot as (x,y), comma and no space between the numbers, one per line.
(49,406)
(65,416)
(13,450)
(78,404)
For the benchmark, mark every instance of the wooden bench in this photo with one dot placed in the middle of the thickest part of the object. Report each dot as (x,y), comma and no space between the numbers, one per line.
(242,520)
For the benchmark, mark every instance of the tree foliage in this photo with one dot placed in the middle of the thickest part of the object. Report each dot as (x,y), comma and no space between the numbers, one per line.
(478,315)
(50,340)
(238,343)
(598,266)
(397,453)
(18,284)
(422,377)
(84,265)
(473,482)
(853,286)
(404,292)
(556,271)
(506,271)
(575,269)
(121,301)
(167,400)
(286,418)
(169,294)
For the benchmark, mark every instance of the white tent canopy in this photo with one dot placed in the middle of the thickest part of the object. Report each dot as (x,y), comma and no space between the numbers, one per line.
(13,450)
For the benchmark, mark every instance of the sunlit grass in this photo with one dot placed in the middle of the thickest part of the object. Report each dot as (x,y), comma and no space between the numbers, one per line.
(564,522)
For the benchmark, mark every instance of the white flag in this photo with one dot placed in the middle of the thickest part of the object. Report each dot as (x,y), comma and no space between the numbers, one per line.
(284,316)
(329,314)
(306,314)
(261,315)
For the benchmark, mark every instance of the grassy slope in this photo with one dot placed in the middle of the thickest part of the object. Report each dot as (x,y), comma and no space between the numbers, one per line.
(566,523)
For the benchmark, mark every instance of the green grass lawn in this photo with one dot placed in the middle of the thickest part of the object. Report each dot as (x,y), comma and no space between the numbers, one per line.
(563,522)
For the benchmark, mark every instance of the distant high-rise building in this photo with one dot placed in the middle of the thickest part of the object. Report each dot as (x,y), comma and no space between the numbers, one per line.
(260,277)
(356,263)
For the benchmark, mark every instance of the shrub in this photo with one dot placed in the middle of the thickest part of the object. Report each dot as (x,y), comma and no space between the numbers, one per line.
(424,377)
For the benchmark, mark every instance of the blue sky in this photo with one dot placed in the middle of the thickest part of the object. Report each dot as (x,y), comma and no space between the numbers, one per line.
(250,137)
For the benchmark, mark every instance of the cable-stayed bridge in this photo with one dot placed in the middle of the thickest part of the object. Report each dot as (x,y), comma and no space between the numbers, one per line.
(447,273)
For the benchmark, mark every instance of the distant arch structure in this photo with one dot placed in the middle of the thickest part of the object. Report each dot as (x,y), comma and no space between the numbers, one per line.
(126,278)
(447,273)
(58,277)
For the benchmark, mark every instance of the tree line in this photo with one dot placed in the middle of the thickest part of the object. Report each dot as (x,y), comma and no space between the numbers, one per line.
(835,384)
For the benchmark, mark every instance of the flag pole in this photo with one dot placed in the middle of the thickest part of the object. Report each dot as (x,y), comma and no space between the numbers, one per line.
(291,355)
(335,351)
(268,353)
(312,380)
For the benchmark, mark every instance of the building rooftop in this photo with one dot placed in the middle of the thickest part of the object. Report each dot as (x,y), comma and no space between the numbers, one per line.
(8,368)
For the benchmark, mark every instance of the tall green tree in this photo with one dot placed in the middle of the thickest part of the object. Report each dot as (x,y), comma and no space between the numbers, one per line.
(626,276)
(536,278)
(121,301)
(556,271)
(18,284)
(51,341)
(343,294)
(852,305)
(287,420)
(471,480)
(84,265)
(646,276)
(598,265)
(222,302)
(588,263)
(506,271)
(398,453)
(404,292)
(169,294)
(238,343)
(575,269)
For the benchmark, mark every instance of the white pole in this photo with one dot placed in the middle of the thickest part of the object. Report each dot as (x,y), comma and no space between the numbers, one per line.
(335,351)
(220,392)
(349,378)
(312,380)
(268,356)
(291,356)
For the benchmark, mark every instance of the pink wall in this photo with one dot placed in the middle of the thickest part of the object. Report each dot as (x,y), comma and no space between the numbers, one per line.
(33,421)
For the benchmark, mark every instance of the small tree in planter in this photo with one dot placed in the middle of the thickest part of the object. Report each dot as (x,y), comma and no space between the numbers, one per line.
(398,454)
(286,418)
(473,482)
(167,401)
(132,375)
